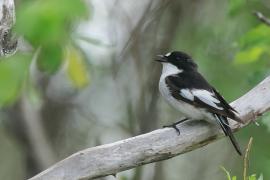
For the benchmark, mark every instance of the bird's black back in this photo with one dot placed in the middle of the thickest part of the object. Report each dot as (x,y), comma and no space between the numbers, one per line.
(194,80)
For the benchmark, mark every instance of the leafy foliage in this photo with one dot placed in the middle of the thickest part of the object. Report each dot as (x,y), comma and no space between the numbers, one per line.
(253,45)
(13,72)
(47,22)
(47,26)
(50,58)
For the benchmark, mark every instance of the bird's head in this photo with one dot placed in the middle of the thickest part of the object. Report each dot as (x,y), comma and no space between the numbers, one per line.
(179,59)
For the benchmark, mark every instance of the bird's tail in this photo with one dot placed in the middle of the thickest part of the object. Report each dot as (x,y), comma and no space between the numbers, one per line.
(223,122)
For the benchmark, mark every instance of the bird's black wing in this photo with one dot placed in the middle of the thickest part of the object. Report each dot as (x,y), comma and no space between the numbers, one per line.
(193,89)
(220,97)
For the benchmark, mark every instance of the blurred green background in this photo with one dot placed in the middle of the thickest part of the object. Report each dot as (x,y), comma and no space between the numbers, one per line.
(84,75)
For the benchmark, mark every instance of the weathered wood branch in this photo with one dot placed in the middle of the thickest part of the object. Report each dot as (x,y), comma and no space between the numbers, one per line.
(155,146)
(8,41)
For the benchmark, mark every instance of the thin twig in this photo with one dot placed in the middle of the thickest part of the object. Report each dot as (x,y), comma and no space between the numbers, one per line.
(41,146)
(262,18)
(246,158)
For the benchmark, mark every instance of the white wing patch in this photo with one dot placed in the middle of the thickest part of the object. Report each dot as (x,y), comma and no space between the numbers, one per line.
(168,54)
(207,97)
(187,94)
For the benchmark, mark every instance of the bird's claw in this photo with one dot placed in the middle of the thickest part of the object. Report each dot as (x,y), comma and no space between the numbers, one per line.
(174,127)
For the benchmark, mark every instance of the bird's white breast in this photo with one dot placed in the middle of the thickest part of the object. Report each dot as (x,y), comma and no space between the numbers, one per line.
(186,109)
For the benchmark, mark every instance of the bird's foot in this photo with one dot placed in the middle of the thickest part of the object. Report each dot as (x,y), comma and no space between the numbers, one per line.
(174,125)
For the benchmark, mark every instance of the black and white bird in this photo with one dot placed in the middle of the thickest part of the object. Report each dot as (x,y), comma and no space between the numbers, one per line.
(187,90)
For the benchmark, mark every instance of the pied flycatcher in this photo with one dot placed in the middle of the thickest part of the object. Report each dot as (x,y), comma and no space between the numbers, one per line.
(186,90)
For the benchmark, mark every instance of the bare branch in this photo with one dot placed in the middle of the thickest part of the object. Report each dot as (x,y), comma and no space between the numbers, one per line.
(155,146)
(262,18)
(39,142)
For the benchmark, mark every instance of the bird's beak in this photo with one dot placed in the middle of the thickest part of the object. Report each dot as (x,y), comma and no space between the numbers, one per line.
(161,58)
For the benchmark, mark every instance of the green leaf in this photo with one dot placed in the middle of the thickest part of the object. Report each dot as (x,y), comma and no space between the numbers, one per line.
(250,55)
(42,22)
(234,178)
(253,45)
(258,36)
(77,68)
(50,58)
(252,177)
(13,72)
